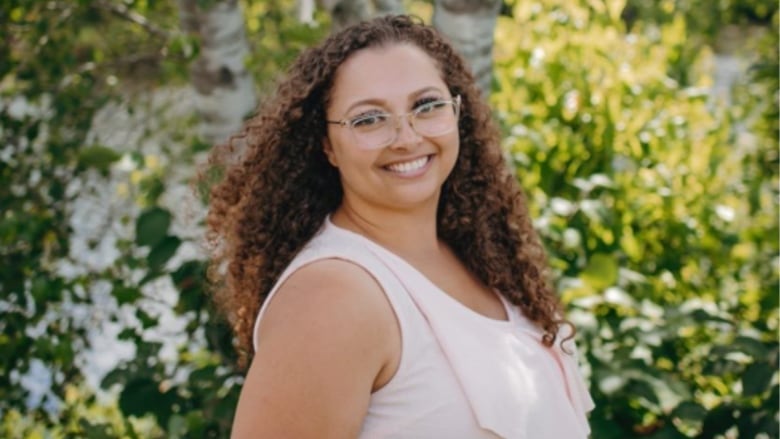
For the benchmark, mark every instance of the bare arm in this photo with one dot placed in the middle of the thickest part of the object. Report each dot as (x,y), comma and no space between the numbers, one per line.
(328,338)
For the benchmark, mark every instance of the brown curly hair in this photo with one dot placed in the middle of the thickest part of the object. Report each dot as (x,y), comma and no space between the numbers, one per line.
(276,194)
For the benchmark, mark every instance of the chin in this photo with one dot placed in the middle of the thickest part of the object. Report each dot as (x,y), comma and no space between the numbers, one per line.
(411,197)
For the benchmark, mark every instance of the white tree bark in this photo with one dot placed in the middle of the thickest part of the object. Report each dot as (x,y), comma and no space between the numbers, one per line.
(470,25)
(225,90)
(305,11)
(346,12)
(388,7)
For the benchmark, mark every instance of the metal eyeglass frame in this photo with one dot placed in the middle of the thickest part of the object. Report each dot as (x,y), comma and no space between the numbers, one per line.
(409,116)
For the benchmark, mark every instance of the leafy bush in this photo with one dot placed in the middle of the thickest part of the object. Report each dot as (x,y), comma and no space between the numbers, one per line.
(707,17)
(70,63)
(658,205)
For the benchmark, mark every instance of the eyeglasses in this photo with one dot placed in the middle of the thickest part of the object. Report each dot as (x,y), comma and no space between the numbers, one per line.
(378,129)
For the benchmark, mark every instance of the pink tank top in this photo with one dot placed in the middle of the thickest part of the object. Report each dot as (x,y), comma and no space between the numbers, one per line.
(461,374)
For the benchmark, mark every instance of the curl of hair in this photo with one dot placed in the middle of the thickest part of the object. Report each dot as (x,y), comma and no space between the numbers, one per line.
(277,191)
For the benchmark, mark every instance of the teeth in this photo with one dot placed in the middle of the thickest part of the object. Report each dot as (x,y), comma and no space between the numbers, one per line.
(406,167)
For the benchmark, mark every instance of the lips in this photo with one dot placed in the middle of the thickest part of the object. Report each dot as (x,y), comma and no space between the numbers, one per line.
(409,166)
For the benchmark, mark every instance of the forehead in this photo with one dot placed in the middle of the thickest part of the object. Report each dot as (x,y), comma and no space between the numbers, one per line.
(384,73)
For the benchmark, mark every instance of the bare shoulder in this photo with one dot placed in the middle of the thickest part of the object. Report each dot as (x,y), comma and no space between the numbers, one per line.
(328,337)
(326,292)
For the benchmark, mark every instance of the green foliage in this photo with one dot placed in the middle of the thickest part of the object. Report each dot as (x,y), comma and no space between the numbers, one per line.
(278,37)
(46,105)
(658,205)
(63,61)
(706,16)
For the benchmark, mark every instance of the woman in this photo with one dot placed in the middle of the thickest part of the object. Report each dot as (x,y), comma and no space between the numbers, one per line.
(403,288)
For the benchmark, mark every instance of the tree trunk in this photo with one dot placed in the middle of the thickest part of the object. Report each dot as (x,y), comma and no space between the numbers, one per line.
(346,12)
(469,25)
(388,7)
(224,89)
(305,9)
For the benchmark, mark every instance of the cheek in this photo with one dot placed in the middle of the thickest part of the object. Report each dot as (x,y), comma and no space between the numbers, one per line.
(453,150)
(452,143)
(351,161)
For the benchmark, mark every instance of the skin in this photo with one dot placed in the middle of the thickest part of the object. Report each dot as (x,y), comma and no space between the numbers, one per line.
(329,336)
(369,188)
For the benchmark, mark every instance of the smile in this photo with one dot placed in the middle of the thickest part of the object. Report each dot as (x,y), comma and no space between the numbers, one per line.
(410,166)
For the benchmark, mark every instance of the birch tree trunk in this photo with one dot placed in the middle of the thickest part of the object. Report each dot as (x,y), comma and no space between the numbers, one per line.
(224,89)
(388,7)
(305,11)
(346,12)
(469,25)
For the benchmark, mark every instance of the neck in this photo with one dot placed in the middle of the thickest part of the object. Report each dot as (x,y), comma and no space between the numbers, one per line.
(409,233)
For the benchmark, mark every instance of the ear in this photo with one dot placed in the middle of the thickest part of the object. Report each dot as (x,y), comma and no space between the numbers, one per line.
(327,148)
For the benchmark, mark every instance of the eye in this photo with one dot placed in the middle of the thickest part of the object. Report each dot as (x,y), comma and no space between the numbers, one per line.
(425,100)
(429,105)
(370,120)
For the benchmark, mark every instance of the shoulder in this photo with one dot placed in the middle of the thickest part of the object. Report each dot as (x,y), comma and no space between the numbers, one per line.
(320,290)
(331,303)
(325,342)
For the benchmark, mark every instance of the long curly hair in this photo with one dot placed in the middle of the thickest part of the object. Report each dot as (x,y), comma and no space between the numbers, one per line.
(278,188)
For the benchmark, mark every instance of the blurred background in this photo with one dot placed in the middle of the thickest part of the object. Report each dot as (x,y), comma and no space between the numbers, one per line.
(644,132)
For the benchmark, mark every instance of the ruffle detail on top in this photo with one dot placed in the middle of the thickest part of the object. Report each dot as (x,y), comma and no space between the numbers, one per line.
(491,359)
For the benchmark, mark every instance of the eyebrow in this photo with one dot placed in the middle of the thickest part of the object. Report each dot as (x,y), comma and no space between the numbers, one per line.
(381,102)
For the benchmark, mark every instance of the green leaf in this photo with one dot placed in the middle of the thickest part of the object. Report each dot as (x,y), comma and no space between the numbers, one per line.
(703,316)
(189,279)
(187,274)
(751,346)
(643,389)
(152,226)
(601,271)
(606,428)
(142,396)
(99,157)
(139,397)
(128,334)
(177,426)
(667,432)
(162,252)
(126,294)
(116,376)
(227,405)
(196,424)
(147,321)
(204,377)
(46,290)
(689,411)
(757,378)
(95,431)
(717,421)
(151,189)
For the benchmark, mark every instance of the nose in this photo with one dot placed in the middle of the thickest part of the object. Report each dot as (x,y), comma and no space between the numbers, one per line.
(405,133)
